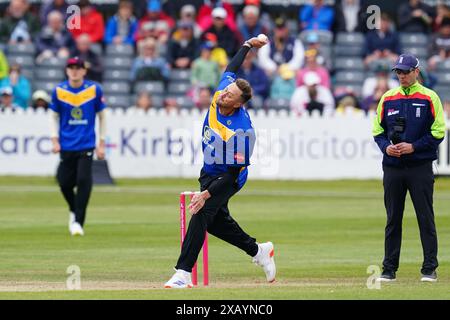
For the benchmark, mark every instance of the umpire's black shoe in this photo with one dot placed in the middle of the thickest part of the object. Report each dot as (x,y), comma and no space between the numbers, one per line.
(387,276)
(429,276)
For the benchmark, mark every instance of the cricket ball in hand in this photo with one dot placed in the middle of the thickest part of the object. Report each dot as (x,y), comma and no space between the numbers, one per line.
(263,38)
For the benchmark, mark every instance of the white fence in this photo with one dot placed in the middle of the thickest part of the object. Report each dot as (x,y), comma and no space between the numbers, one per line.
(158,144)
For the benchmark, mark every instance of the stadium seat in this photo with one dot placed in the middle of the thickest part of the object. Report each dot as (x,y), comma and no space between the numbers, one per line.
(121,50)
(49,74)
(348,51)
(419,52)
(116,87)
(47,86)
(325,37)
(443,78)
(118,63)
(179,88)
(157,100)
(21,49)
(27,73)
(350,77)
(180,75)
(351,39)
(443,65)
(257,102)
(441,89)
(278,104)
(97,48)
(184,102)
(346,63)
(116,75)
(117,101)
(23,61)
(413,39)
(52,63)
(155,87)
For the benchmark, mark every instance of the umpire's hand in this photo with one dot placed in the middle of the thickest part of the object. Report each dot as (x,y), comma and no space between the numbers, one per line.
(198,201)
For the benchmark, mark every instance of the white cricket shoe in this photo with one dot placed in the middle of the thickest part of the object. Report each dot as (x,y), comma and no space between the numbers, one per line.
(71,219)
(76,229)
(265,259)
(180,280)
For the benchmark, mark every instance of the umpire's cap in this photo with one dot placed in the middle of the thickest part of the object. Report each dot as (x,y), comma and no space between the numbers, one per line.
(406,62)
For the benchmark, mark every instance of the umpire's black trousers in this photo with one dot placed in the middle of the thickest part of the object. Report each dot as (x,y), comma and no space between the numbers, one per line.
(75,170)
(419,181)
(215,218)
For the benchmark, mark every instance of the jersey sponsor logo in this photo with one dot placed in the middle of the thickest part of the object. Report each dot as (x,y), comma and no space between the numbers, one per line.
(76,99)
(239,157)
(417,112)
(392,112)
(77,115)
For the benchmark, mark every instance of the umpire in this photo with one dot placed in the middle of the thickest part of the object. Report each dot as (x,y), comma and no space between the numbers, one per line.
(408,129)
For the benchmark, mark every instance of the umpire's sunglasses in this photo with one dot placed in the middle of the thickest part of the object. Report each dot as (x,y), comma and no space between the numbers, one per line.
(399,71)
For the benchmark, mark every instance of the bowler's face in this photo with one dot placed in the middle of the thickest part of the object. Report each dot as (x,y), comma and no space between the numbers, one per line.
(230,96)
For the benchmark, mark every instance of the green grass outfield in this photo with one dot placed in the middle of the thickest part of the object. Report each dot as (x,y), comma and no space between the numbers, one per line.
(326,234)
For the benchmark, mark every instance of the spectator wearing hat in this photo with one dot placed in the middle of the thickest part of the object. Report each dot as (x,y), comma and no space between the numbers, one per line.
(121,27)
(149,66)
(382,44)
(218,54)
(415,16)
(312,96)
(205,71)
(382,73)
(312,43)
(183,47)
(188,13)
(283,48)
(92,60)
(40,100)
(255,75)
(316,16)
(440,45)
(54,5)
(54,40)
(283,85)
(144,102)
(18,24)
(205,17)
(158,20)
(311,65)
(20,85)
(226,38)
(7,99)
(91,23)
(4,66)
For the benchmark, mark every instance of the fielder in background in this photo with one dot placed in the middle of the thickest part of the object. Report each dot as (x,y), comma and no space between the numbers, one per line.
(228,141)
(408,128)
(75,104)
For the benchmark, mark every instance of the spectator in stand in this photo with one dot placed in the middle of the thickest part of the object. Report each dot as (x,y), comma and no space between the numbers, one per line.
(203,100)
(313,43)
(20,85)
(92,60)
(218,54)
(91,23)
(283,86)
(311,65)
(251,26)
(171,105)
(7,99)
(346,99)
(440,45)
(283,48)
(415,17)
(382,44)
(205,71)
(144,102)
(4,66)
(55,5)
(382,74)
(350,16)
(188,14)
(312,96)
(183,47)
(121,27)
(256,76)
(226,38)
(370,103)
(40,100)
(264,18)
(205,18)
(316,16)
(159,20)
(149,66)
(54,39)
(442,11)
(18,24)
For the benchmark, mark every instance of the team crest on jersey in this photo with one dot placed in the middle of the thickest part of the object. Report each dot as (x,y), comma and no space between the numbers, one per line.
(229,122)
(206,134)
(231,79)
(76,113)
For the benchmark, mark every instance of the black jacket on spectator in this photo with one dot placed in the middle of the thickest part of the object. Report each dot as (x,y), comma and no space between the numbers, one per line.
(176,50)
(8,24)
(93,62)
(47,41)
(408,23)
(374,42)
(226,38)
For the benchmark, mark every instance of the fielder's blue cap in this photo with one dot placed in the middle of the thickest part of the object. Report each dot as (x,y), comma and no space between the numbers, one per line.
(406,62)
